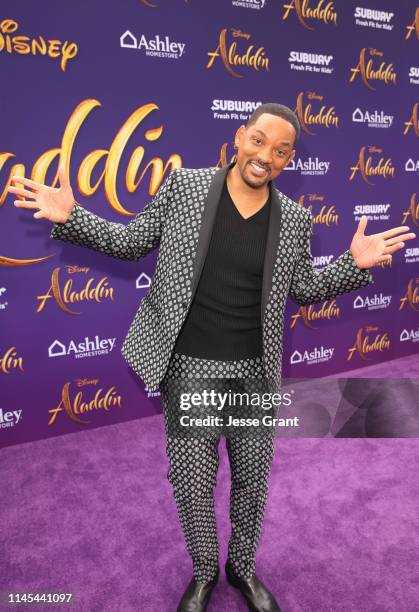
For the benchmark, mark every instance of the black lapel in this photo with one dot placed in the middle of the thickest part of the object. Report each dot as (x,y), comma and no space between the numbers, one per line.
(207,223)
(275,215)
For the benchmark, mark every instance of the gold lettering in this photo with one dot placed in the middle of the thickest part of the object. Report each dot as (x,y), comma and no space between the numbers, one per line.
(413,121)
(103,400)
(23,45)
(411,297)
(384,73)
(412,211)
(308,314)
(363,345)
(327,14)
(10,361)
(366,168)
(254,59)
(325,117)
(414,26)
(91,292)
(111,157)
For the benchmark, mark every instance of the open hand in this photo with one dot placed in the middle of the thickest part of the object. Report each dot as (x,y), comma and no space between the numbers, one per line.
(369,251)
(51,203)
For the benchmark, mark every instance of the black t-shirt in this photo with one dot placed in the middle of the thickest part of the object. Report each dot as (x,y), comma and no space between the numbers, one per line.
(224,320)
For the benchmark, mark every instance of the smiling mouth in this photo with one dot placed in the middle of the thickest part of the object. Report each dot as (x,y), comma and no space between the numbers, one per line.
(257,169)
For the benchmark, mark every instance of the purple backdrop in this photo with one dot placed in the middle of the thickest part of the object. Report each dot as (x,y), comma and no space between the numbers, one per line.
(114,91)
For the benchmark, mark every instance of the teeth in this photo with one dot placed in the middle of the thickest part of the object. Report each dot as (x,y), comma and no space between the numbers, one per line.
(258,168)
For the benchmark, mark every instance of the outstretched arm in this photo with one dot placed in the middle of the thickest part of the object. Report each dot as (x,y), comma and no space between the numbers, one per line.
(309,286)
(131,241)
(73,223)
(351,269)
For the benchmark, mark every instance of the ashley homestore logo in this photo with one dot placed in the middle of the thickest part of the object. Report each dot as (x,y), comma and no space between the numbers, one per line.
(160,46)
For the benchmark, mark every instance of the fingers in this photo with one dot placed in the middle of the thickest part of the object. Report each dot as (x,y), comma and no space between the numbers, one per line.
(394,248)
(391,241)
(26,181)
(362,224)
(384,258)
(394,231)
(22,192)
(39,215)
(24,204)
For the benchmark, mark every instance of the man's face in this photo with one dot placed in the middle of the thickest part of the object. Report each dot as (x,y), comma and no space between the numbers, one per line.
(264,149)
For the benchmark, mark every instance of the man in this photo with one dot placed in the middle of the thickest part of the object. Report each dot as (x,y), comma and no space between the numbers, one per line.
(232,248)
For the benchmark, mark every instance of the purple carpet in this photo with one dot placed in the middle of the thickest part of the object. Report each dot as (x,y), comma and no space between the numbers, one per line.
(93,514)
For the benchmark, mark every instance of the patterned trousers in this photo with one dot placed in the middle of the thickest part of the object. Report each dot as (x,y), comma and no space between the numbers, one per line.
(193,464)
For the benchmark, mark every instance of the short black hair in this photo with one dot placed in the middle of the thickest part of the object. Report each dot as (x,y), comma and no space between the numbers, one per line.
(280,110)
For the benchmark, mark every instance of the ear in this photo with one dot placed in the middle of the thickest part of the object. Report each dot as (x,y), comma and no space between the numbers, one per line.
(239,134)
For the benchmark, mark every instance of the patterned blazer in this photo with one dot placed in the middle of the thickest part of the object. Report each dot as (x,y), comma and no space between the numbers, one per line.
(179,219)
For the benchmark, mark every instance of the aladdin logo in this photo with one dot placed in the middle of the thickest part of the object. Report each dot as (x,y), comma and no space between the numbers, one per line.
(412,211)
(411,166)
(374,212)
(23,45)
(375,119)
(309,166)
(411,255)
(365,68)
(252,57)
(87,348)
(414,75)
(233,109)
(412,335)
(371,18)
(367,344)
(411,297)
(310,62)
(316,355)
(138,166)
(325,117)
(308,314)
(366,167)
(327,214)
(322,260)
(413,121)
(3,305)
(10,418)
(93,291)
(372,303)
(10,361)
(75,408)
(322,11)
(160,47)
(414,26)
(251,4)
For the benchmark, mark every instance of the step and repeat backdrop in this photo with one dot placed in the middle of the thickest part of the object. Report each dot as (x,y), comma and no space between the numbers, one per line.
(123,92)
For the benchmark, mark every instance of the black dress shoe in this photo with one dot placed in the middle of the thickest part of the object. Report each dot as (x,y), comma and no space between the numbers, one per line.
(197,595)
(257,596)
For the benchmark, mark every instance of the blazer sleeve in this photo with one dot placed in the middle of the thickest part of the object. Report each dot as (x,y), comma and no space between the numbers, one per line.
(124,241)
(343,275)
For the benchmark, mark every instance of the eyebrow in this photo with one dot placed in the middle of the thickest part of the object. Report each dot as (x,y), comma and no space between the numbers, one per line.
(283,143)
